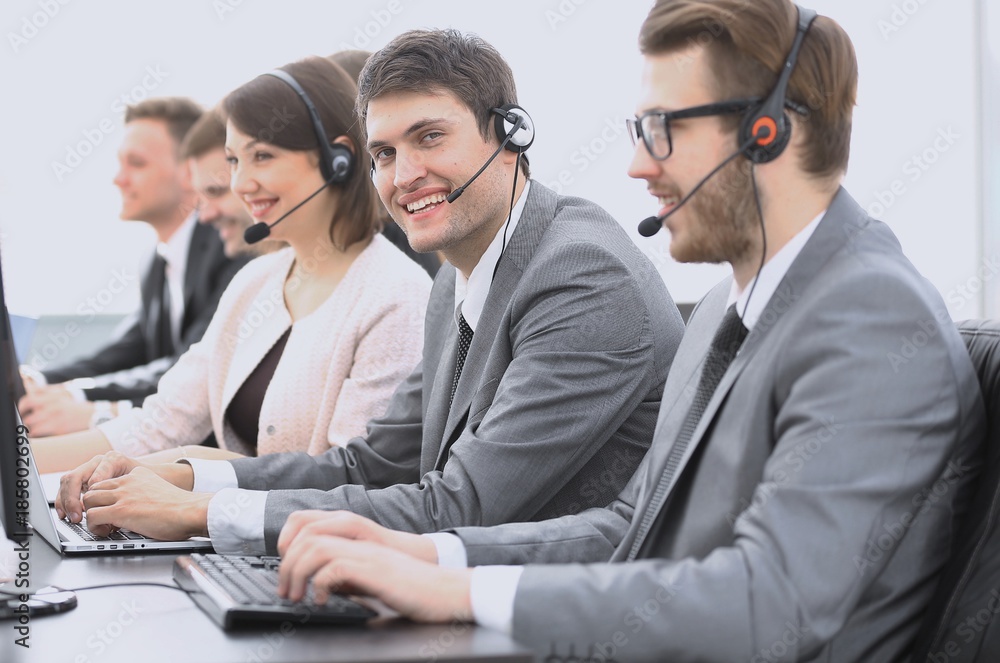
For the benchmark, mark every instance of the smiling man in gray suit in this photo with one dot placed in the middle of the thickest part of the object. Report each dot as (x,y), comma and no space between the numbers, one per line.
(546,345)
(818,431)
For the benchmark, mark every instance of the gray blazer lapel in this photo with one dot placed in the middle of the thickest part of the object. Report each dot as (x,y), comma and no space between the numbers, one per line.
(843,221)
(539,209)
(440,341)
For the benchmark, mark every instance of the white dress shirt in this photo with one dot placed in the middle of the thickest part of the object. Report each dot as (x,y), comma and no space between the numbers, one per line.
(493,588)
(235,515)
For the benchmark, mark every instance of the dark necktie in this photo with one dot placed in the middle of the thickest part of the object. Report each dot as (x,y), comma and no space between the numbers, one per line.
(464,340)
(725,344)
(165,330)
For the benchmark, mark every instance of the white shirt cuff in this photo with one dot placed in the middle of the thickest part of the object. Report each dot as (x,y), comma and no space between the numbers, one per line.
(236,521)
(211,476)
(450,550)
(29,371)
(492,592)
(76,387)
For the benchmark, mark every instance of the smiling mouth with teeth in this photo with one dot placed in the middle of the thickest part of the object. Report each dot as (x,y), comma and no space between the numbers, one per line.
(425,203)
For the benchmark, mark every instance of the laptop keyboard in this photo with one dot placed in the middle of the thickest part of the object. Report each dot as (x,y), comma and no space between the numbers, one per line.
(121,535)
(244,589)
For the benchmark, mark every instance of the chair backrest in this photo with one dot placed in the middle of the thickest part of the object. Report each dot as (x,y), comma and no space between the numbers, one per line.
(961,623)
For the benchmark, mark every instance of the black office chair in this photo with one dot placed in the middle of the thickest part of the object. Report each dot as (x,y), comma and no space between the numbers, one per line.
(962,622)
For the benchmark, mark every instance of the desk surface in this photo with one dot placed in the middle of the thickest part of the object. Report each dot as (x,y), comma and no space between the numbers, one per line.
(154,624)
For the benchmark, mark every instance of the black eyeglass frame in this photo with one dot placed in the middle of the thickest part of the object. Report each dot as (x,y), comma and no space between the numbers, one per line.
(707,110)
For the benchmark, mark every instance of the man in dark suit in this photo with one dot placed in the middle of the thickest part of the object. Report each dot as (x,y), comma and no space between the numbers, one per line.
(180,283)
(547,341)
(807,472)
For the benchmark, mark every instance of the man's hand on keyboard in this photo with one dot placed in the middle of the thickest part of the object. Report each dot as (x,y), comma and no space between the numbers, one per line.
(144,502)
(347,525)
(72,484)
(108,466)
(416,589)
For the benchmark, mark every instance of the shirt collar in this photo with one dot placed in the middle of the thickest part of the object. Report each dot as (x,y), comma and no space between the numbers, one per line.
(471,293)
(769,278)
(175,249)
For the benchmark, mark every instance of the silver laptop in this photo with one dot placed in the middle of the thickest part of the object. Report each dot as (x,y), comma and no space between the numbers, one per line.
(69,538)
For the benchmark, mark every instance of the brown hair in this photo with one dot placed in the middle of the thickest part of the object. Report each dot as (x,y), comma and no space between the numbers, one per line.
(747,44)
(350,61)
(207,134)
(426,61)
(178,113)
(270,110)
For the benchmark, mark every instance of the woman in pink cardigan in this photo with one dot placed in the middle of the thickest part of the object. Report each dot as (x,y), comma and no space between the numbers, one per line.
(308,343)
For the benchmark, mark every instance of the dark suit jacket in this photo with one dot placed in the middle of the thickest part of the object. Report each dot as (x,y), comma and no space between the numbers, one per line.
(395,234)
(130,366)
(816,502)
(555,407)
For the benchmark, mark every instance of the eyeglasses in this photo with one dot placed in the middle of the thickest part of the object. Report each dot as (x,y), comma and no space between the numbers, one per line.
(653,127)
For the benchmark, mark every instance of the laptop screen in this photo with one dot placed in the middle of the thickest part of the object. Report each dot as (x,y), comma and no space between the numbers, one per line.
(14,458)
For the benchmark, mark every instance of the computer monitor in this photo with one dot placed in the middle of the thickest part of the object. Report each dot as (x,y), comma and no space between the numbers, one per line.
(13,463)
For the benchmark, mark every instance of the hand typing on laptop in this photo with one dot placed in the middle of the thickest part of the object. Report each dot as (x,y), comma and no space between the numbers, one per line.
(117,491)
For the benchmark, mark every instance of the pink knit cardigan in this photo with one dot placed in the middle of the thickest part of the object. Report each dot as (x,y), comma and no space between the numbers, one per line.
(338,369)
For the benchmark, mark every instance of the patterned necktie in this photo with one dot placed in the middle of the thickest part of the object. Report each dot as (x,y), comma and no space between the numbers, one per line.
(464,340)
(165,330)
(725,344)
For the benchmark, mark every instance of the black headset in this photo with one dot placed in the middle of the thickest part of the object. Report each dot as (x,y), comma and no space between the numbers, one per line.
(336,161)
(766,127)
(513,127)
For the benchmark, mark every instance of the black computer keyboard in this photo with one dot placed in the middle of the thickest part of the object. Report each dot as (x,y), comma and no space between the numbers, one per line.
(235,590)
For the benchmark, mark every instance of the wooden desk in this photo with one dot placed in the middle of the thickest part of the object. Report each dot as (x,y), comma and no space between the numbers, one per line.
(155,624)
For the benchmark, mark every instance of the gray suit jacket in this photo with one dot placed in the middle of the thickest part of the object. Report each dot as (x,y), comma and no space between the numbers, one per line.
(816,501)
(555,407)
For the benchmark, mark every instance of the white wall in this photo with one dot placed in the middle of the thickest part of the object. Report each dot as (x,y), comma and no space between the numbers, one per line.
(577,67)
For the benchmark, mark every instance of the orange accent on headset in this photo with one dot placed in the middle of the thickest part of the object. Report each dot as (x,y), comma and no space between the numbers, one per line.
(769,123)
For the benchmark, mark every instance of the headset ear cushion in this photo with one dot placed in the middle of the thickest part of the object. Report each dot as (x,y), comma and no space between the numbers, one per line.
(523,138)
(766,148)
(341,163)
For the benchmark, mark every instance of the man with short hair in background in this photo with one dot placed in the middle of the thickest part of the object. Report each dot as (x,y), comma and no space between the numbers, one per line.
(180,284)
